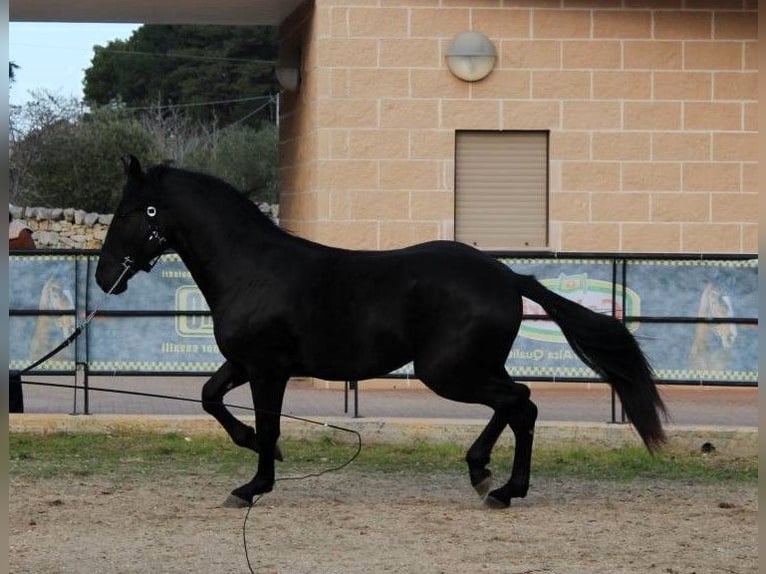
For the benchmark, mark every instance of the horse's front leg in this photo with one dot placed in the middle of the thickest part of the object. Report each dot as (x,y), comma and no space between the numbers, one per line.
(226,378)
(268,395)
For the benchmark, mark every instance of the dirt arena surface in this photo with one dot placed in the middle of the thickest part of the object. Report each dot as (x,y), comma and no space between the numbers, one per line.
(364,522)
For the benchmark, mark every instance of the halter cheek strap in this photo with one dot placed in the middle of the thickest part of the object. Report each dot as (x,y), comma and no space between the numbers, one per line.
(155,236)
(154,230)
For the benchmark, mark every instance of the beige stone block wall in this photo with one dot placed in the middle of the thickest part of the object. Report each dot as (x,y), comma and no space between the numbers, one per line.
(651,108)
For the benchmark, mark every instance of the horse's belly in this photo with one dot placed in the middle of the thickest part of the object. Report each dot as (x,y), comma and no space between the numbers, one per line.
(360,359)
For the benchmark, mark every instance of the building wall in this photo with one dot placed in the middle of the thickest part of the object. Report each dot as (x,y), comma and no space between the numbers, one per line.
(651,109)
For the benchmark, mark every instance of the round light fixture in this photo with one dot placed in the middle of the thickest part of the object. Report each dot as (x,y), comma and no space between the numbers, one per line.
(288,68)
(471,56)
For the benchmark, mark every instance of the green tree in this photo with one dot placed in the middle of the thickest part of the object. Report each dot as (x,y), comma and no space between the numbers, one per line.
(187,65)
(244,156)
(70,159)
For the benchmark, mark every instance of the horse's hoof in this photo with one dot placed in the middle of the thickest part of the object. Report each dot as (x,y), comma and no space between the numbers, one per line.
(482,488)
(234,501)
(496,503)
(498,498)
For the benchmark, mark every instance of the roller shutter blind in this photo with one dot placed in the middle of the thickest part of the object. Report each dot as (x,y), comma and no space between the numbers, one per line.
(501,189)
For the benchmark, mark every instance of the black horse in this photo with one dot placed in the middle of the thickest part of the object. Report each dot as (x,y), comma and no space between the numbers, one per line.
(283,306)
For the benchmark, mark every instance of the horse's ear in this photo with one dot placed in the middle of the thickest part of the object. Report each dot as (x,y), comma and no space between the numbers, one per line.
(132,167)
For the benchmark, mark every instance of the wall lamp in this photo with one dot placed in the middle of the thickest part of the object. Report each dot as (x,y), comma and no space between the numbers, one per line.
(288,68)
(471,56)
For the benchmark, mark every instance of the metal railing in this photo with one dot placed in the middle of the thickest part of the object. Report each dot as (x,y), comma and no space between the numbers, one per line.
(628,283)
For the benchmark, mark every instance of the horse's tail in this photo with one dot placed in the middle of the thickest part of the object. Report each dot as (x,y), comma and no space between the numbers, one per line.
(606,346)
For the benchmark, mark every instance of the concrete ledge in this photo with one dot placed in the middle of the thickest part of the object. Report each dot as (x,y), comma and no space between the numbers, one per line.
(733,441)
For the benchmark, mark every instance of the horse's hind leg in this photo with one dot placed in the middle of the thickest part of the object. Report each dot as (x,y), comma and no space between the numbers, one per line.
(226,378)
(478,456)
(512,407)
(509,400)
(521,415)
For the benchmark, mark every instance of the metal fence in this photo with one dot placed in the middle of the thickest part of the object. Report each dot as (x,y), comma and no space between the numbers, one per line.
(695,316)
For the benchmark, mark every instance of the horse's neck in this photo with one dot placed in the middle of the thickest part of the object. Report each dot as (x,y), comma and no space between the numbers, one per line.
(704,307)
(209,247)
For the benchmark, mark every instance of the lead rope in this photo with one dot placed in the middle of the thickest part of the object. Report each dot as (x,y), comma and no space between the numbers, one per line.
(127,264)
(302,477)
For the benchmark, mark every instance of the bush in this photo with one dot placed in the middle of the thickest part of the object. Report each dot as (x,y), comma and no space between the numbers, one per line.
(75,161)
(244,156)
(62,157)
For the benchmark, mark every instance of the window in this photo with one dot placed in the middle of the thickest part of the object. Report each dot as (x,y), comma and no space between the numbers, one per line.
(501,189)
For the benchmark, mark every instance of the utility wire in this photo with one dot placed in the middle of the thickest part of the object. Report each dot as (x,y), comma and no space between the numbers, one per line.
(187,56)
(196,104)
(248,115)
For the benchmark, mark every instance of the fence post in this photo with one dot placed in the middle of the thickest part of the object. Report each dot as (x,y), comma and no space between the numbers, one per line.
(85,388)
(351,386)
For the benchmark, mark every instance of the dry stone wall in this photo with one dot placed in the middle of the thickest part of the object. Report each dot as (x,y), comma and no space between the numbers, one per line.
(57,228)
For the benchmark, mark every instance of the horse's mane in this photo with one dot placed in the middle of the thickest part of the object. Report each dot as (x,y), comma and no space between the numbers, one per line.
(199,185)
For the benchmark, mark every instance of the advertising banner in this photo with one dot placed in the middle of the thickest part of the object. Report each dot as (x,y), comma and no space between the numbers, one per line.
(707,293)
(182,341)
(686,314)
(695,319)
(44,289)
(660,303)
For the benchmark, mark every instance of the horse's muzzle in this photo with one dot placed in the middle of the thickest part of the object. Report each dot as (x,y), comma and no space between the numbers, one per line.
(113,278)
(114,286)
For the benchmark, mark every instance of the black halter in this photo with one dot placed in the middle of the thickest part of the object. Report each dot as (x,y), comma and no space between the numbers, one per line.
(155,236)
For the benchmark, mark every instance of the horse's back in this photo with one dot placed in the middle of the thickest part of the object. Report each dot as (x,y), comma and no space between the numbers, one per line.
(373,312)
(340,314)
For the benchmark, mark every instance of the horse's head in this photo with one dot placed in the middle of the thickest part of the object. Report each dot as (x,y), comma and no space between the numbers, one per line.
(135,237)
(719,306)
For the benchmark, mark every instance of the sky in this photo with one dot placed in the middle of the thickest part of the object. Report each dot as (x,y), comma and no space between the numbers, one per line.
(54,55)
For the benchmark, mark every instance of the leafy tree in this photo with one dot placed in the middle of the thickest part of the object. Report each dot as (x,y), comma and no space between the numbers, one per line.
(66,157)
(244,156)
(186,65)
(70,159)
(63,155)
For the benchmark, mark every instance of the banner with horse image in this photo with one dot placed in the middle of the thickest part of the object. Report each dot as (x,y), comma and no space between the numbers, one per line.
(684,304)
(42,288)
(714,297)
(141,330)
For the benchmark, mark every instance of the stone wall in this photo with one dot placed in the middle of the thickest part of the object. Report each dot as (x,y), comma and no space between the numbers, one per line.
(57,228)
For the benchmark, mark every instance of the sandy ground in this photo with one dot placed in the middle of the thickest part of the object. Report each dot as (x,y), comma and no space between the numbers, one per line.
(358,522)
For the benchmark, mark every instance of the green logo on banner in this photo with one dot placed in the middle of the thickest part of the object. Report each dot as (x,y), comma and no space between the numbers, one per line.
(595,294)
(189,298)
